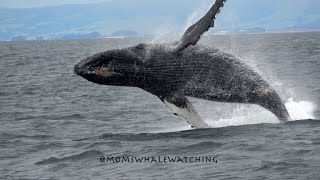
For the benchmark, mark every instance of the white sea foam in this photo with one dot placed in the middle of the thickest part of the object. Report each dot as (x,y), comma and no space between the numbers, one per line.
(217,114)
(252,114)
(301,109)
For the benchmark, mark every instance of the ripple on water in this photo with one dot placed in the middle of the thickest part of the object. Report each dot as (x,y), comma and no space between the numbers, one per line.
(92,154)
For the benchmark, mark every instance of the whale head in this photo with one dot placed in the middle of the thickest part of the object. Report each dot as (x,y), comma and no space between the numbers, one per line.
(113,67)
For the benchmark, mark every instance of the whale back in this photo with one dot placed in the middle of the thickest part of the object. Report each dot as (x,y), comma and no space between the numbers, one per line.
(200,72)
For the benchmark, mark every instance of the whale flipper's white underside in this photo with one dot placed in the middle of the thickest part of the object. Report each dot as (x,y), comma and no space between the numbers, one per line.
(181,106)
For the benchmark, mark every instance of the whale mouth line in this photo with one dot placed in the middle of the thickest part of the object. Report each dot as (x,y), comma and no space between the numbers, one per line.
(92,74)
(80,71)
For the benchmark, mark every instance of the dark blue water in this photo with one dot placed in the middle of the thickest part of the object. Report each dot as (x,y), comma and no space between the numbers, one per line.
(56,125)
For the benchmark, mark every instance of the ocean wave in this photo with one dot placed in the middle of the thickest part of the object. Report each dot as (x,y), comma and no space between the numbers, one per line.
(76,157)
(204,133)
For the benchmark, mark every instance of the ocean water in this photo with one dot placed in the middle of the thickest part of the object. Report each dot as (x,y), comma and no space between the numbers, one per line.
(56,125)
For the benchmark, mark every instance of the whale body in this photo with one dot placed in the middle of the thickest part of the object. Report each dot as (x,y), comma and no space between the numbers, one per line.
(177,70)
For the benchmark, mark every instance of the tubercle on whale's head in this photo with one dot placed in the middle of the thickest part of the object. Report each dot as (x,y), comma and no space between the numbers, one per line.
(113,67)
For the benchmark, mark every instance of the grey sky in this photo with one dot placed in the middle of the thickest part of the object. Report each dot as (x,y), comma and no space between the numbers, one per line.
(39,3)
(150,16)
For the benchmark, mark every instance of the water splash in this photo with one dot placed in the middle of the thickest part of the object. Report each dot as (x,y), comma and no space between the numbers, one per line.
(301,109)
(193,18)
(243,114)
(164,34)
(217,114)
(253,114)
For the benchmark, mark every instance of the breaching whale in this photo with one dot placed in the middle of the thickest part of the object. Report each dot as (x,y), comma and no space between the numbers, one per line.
(174,71)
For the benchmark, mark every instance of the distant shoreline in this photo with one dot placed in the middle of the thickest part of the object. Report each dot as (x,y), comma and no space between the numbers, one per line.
(209,34)
(268,32)
(293,31)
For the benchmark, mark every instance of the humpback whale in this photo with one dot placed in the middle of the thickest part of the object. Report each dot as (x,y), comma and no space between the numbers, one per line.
(182,69)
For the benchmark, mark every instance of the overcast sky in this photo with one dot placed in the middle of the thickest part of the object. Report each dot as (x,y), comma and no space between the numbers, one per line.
(150,16)
(39,3)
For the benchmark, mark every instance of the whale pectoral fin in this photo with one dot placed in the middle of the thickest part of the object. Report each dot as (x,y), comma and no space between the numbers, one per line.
(194,32)
(181,106)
